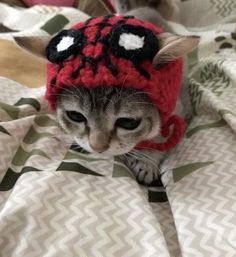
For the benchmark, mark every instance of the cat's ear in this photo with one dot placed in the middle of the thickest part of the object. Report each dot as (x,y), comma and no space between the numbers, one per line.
(173,46)
(35,45)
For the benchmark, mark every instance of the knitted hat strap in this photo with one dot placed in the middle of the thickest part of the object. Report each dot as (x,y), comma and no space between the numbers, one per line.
(177,133)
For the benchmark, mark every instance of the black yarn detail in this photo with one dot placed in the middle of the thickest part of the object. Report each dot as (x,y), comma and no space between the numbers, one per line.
(103,56)
(97,36)
(53,82)
(120,22)
(149,49)
(106,19)
(126,17)
(110,43)
(113,69)
(142,71)
(61,65)
(79,41)
(93,63)
(101,25)
(75,73)
(87,22)
(105,41)
(54,79)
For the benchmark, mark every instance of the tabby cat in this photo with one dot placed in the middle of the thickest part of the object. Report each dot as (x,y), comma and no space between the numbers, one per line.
(110,121)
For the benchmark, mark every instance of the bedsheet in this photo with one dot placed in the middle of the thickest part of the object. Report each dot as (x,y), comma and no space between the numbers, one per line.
(56,201)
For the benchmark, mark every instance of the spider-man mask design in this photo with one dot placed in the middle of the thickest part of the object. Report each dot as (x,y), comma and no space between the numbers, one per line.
(112,51)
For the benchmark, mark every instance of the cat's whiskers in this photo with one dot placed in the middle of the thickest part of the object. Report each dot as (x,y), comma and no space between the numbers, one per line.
(110,101)
(65,88)
(141,103)
(64,142)
(142,154)
(59,94)
(138,153)
(136,93)
(162,172)
(77,91)
(121,87)
(145,148)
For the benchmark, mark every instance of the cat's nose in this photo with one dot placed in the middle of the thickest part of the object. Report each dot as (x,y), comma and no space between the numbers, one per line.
(99,148)
(99,141)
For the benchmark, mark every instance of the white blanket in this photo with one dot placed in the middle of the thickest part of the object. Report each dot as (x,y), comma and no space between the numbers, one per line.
(55,201)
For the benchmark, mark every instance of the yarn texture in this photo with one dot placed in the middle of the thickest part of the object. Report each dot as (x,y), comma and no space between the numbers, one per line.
(112,51)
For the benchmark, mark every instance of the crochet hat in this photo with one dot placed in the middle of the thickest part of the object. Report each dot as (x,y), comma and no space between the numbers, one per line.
(117,50)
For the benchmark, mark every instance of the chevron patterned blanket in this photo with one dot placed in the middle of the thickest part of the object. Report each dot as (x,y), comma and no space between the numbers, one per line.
(55,201)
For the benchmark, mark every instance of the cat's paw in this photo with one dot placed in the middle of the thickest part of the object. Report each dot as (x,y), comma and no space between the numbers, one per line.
(144,165)
(145,173)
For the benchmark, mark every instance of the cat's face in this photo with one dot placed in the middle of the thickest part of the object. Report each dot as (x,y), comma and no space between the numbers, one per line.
(107,120)
(112,120)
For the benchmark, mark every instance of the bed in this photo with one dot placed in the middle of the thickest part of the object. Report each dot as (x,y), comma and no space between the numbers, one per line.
(56,201)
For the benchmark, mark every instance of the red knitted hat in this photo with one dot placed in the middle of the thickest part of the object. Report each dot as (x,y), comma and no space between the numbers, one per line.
(117,50)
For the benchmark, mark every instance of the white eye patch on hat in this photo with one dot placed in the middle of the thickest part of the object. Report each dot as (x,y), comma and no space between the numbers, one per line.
(65,43)
(131,41)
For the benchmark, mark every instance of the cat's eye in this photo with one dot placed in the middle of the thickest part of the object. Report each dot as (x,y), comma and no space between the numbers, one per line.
(76,116)
(127,123)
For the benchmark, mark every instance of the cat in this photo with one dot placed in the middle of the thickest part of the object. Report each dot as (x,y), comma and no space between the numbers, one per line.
(118,117)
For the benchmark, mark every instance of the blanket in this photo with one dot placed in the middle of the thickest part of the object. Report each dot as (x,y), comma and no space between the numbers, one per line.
(56,201)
